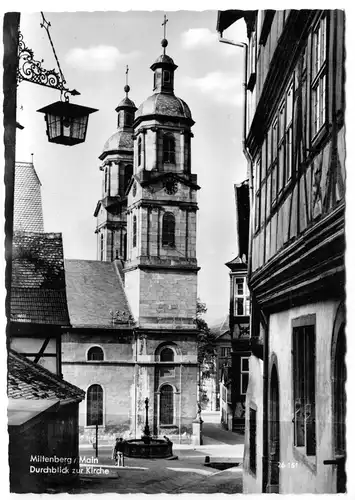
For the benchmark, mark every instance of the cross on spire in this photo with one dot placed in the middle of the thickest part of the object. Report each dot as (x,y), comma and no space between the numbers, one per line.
(164,24)
(127,87)
(164,42)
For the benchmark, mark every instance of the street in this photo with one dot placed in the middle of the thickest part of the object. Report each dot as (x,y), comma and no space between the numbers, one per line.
(186,472)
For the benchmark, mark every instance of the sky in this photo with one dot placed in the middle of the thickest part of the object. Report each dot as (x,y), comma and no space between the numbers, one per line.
(93,49)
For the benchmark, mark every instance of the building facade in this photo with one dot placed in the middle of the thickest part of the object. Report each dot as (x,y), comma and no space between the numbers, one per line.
(239,312)
(117,169)
(295,145)
(133,314)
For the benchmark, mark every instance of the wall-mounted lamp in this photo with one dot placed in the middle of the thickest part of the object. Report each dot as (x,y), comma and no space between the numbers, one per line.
(66,123)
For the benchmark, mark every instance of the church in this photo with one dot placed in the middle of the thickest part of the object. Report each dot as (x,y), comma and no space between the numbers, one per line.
(132,311)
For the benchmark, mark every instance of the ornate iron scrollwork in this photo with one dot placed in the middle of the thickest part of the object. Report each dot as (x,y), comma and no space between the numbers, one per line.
(121,317)
(31,70)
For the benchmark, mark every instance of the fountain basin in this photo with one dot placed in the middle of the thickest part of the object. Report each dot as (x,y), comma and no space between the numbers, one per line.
(155,448)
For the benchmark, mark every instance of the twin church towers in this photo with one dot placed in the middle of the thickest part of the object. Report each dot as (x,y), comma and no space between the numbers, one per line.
(146,217)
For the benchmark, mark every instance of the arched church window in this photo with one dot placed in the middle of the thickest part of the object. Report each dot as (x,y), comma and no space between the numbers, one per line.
(167,354)
(94,405)
(139,151)
(134,233)
(166,405)
(166,76)
(168,229)
(102,247)
(95,354)
(168,148)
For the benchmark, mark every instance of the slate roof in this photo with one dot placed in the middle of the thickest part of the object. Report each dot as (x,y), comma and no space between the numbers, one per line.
(38,280)
(28,214)
(164,104)
(120,140)
(94,291)
(28,380)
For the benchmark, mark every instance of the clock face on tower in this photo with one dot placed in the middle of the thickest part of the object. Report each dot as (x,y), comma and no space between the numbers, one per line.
(170,185)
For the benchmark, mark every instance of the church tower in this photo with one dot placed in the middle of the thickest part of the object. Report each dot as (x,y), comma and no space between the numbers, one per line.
(161,267)
(117,169)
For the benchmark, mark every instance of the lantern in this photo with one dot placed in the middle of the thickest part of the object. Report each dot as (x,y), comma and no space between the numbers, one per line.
(66,123)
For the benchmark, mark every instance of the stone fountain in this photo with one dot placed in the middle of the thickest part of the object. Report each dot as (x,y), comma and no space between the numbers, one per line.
(148,447)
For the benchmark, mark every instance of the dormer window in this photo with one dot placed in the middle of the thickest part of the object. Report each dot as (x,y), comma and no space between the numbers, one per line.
(166,77)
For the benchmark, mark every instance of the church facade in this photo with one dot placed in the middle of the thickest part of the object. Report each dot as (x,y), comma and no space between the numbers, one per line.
(133,310)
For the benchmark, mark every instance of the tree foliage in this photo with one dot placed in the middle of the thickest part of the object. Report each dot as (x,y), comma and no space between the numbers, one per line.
(206,341)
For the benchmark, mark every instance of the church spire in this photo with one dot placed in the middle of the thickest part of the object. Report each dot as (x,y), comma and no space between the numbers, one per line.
(164,68)
(126,108)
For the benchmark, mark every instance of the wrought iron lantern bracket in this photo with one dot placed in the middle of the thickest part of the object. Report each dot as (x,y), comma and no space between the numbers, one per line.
(32,71)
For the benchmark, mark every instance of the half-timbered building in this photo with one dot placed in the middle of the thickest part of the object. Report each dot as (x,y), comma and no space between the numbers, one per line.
(295,145)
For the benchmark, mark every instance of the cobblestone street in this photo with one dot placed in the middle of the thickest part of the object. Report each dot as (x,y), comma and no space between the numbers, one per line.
(186,473)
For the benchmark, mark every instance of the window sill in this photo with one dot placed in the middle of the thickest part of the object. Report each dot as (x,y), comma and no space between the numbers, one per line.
(168,426)
(309,461)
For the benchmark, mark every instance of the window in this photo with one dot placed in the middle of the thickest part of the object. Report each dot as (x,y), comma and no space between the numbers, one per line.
(94,405)
(225,352)
(168,236)
(252,440)
(304,387)
(257,195)
(106,179)
(252,62)
(241,297)
(166,76)
(281,147)
(289,135)
(139,151)
(319,76)
(167,354)
(127,175)
(101,247)
(168,148)
(95,354)
(274,162)
(244,375)
(134,232)
(166,405)
(129,119)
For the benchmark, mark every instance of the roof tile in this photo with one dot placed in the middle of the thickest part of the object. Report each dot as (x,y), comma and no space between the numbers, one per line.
(29,380)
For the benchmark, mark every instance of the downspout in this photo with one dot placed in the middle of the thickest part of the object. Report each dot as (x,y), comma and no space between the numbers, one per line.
(245,149)
(135,383)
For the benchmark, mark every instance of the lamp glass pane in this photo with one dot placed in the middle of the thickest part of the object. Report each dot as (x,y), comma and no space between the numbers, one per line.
(53,126)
